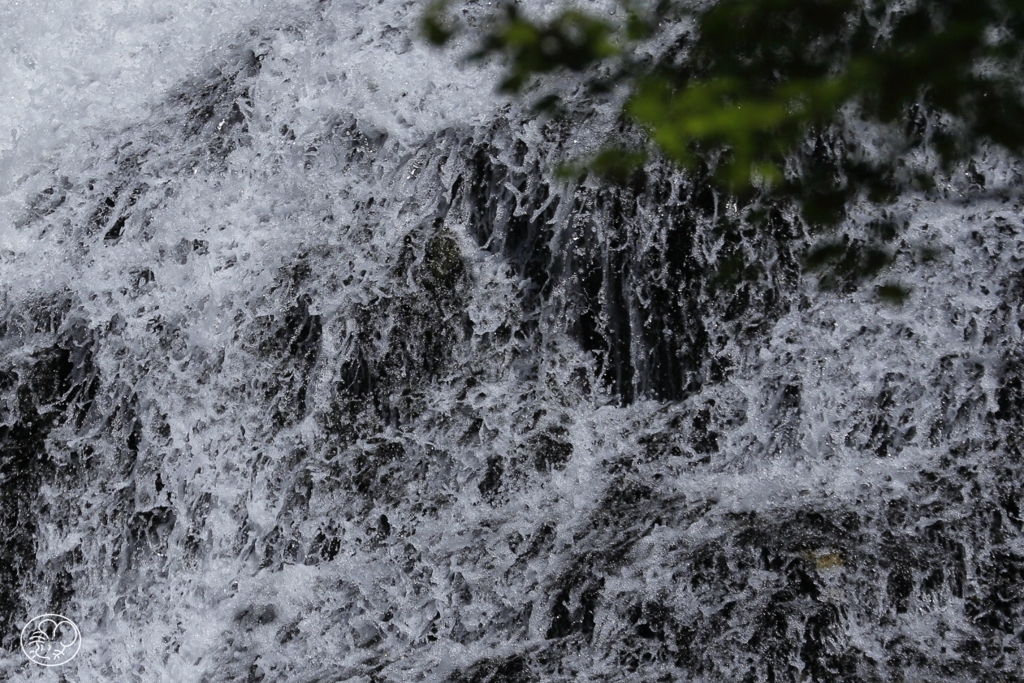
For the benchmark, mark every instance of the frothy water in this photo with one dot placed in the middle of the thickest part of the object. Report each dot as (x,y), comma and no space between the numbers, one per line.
(312,370)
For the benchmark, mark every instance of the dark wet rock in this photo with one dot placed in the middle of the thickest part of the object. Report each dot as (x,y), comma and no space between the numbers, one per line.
(212,106)
(252,616)
(290,344)
(374,469)
(444,267)
(50,385)
(642,307)
(492,476)
(550,452)
(148,530)
(514,669)
(508,211)
(383,375)
(62,591)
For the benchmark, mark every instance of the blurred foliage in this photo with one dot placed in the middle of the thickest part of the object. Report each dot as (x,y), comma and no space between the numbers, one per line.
(770,94)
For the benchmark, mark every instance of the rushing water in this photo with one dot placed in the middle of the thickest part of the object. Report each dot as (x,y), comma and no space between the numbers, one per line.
(311,370)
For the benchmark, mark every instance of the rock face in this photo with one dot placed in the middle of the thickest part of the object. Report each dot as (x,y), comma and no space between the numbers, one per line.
(317,372)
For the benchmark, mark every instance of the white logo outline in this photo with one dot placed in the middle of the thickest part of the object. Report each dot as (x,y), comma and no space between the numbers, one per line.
(39,643)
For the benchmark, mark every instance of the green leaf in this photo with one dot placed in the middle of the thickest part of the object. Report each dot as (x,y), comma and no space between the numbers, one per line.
(434,25)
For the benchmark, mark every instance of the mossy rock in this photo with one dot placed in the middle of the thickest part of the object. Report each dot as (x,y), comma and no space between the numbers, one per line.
(443,259)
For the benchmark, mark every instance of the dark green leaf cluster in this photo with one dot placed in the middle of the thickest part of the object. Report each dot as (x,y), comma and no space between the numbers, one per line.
(767,93)
(758,74)
(572,41)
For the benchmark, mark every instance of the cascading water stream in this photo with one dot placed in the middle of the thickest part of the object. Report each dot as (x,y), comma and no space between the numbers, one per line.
(311,369)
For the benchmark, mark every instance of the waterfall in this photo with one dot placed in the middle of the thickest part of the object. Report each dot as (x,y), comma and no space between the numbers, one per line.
(313,369)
